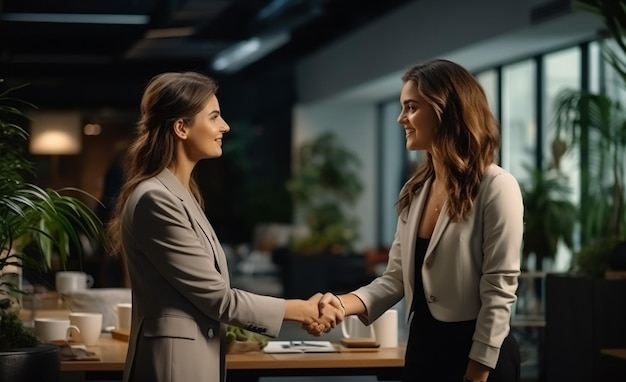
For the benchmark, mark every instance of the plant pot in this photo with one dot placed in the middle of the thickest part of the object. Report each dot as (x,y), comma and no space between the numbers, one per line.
(583,316)
(41,363)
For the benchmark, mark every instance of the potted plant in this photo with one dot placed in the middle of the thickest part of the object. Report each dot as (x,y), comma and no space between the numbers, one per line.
(34,224)
(324,188)
(549,218)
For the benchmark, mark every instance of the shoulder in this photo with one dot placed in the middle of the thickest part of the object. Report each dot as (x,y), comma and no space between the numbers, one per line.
(496,176)
(151,192)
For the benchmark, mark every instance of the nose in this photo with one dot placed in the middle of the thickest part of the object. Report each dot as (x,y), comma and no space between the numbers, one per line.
(400,118)
(225,128)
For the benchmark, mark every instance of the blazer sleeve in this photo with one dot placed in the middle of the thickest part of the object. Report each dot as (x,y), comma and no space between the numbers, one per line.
(386,290)
(503,223)
(163,232)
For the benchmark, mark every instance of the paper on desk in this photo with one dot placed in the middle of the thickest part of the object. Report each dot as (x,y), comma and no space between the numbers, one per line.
(300,347)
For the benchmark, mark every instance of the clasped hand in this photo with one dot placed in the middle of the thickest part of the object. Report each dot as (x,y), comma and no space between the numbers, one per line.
(330,313)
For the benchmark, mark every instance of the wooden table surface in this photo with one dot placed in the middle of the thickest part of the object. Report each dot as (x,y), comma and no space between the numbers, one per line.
(112,354)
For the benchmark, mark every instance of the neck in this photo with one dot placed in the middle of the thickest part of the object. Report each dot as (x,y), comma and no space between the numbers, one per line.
(182,172)
(439,175)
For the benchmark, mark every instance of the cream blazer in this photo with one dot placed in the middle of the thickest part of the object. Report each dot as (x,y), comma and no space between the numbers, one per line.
(182,299)
(470,269)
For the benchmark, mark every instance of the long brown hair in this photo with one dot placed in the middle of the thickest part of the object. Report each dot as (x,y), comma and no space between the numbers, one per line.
(466,141)
(168,97)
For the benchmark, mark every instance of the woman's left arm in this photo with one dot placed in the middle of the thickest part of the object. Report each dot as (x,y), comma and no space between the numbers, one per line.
(502,210)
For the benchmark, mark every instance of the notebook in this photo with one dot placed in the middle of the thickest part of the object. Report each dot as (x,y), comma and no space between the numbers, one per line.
(300,347)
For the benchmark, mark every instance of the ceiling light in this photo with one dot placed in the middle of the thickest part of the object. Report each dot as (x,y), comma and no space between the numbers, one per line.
(76,18)
(246,52)
(55,133)
(170,32)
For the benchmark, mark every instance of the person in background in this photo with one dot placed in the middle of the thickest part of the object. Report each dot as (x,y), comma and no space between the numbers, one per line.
(181,295)
(456,253)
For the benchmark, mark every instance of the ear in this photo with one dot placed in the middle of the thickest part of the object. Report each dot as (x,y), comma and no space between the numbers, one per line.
(180,129)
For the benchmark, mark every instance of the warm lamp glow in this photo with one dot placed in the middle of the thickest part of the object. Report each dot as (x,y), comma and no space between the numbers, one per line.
(55,133)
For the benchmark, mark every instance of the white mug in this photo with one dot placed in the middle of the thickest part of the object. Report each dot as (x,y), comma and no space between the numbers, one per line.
(386,329)
(53,329)
(352,327)
(68,282)
(90,325)
(123,314)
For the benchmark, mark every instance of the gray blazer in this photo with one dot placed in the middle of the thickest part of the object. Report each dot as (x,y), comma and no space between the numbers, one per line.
(471,267)
(182,299)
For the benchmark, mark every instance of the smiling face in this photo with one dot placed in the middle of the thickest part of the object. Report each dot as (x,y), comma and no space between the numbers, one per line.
(205,132)
(418,118)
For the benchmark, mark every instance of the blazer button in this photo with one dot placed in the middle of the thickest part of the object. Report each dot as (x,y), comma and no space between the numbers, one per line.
(210,333)
(431,299)
(429,264)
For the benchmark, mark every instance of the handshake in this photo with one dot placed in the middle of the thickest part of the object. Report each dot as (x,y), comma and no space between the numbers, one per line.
(321,313)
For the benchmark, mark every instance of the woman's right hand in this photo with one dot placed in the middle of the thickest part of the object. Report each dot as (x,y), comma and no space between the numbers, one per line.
(330,313)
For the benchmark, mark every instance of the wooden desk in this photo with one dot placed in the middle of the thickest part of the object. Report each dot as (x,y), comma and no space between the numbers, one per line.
(386,364)
(619,353)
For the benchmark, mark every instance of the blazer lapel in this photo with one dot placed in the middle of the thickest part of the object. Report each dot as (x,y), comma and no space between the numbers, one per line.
(173,185)
(415,215)
(440,227)
(415,212)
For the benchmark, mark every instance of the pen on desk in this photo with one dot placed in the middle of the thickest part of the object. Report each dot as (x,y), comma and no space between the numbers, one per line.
(303,343)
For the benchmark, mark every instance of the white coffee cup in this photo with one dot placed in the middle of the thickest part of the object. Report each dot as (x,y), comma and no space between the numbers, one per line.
(68,281)
(53,329)
(123,313)
(352,327)
(90,325)
(386,329)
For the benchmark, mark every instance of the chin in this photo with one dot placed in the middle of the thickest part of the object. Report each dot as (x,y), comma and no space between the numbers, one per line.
(411,145)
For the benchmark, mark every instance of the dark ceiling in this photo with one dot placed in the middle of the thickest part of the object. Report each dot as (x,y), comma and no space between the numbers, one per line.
(99,48)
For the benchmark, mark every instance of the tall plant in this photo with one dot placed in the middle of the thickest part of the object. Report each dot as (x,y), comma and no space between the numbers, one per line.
(550,217)
(53,220)
(326,184)
(595,124)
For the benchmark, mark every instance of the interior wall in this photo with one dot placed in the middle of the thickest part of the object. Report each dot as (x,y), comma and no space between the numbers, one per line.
(474,33)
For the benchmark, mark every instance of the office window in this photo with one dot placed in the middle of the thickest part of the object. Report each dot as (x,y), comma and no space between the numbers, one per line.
(489,81)
(561,71)
(594,67)
(614,83)
(519,127)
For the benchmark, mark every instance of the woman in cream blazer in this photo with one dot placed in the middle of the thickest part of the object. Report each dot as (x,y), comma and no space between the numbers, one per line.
(182,299)
(456,253)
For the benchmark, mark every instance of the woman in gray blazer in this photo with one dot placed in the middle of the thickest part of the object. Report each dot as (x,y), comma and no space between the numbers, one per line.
(182,299)
(456,253)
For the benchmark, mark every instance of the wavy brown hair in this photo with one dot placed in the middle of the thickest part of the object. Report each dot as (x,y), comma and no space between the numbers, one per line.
(168,97)
(466,141)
